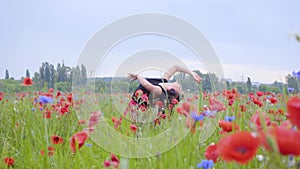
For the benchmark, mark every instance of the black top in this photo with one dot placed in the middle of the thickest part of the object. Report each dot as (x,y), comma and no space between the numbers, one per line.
(154,81)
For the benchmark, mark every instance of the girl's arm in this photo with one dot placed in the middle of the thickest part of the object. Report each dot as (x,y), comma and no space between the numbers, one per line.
(150,87)
(177,68)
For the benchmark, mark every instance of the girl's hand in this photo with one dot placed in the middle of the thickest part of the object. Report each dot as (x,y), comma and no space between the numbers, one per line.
(132,77)
(196,77)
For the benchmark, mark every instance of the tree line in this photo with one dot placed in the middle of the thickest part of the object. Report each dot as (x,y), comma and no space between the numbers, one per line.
(62,77)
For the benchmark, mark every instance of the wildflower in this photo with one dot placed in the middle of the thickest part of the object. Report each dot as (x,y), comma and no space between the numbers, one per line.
(259,93)
(229,118)
(273,100)
(227,126)
(209,113)
(205,164)
(133,128)
(255,119)
(197,117)
(215,104)
(145,98)
(211,152)
(57,139)
(159,104)
(287,140)
(63,110)
(296,74)
(94,119)
(50,150)
(138,93)
(9,161)
(243,108)
(290,89)
(114,162)
(78,139)
(27,82)
(70,98)
(293,107)
(174,101)
(240,146)
(47,114)
(45,99)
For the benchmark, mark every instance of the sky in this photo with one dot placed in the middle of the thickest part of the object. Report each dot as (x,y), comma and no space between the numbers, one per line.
(252,38)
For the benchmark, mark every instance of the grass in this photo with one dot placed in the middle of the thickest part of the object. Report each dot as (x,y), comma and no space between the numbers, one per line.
(25,133)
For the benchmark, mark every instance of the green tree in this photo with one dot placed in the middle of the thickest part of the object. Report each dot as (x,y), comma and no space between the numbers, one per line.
(42,75)
(27,73)
(6,74)
(83,75)
(249,84)
(292,82)
(47,74)
(52,76)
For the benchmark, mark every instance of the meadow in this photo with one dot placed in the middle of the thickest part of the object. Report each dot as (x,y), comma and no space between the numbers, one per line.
(226,129)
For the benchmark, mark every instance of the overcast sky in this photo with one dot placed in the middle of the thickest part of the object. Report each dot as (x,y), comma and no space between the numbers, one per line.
(252,39)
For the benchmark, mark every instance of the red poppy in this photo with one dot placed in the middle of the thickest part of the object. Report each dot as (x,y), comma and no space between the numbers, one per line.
(1,96)
(78,139)
(259,93)
(51,151)
(145,97)
(58,94)
(27,82)
(70,98)
(114,160)
(211,153)
(117,123)
(228,126)
(287,140)
(82,121)
(9,161)
(94,119)
(257,102)
(106,163)
(215,104)
(230,102)
(293,107)
(273,100)
(47,114)
(133,128)
(64,109)
(256,119)
(240,147)
(138,93)
(57,139)
(159,104)
(243,108)
(174,101)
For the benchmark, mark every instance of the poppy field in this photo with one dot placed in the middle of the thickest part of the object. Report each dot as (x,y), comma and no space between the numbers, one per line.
(226,129)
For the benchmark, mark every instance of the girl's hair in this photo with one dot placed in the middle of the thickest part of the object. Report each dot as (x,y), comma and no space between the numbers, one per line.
(172,94)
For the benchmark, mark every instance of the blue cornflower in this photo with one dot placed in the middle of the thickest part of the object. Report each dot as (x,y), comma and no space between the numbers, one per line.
(209,113)
(88,145)
(45,99)
(290,89)
(197,117)
(205,164)
(296,74)
(33,109)
(229,118)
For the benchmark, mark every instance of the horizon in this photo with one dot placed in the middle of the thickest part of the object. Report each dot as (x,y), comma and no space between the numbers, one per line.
(252,39)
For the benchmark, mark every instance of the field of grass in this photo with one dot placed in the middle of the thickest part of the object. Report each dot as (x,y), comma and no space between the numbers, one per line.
(64,130)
